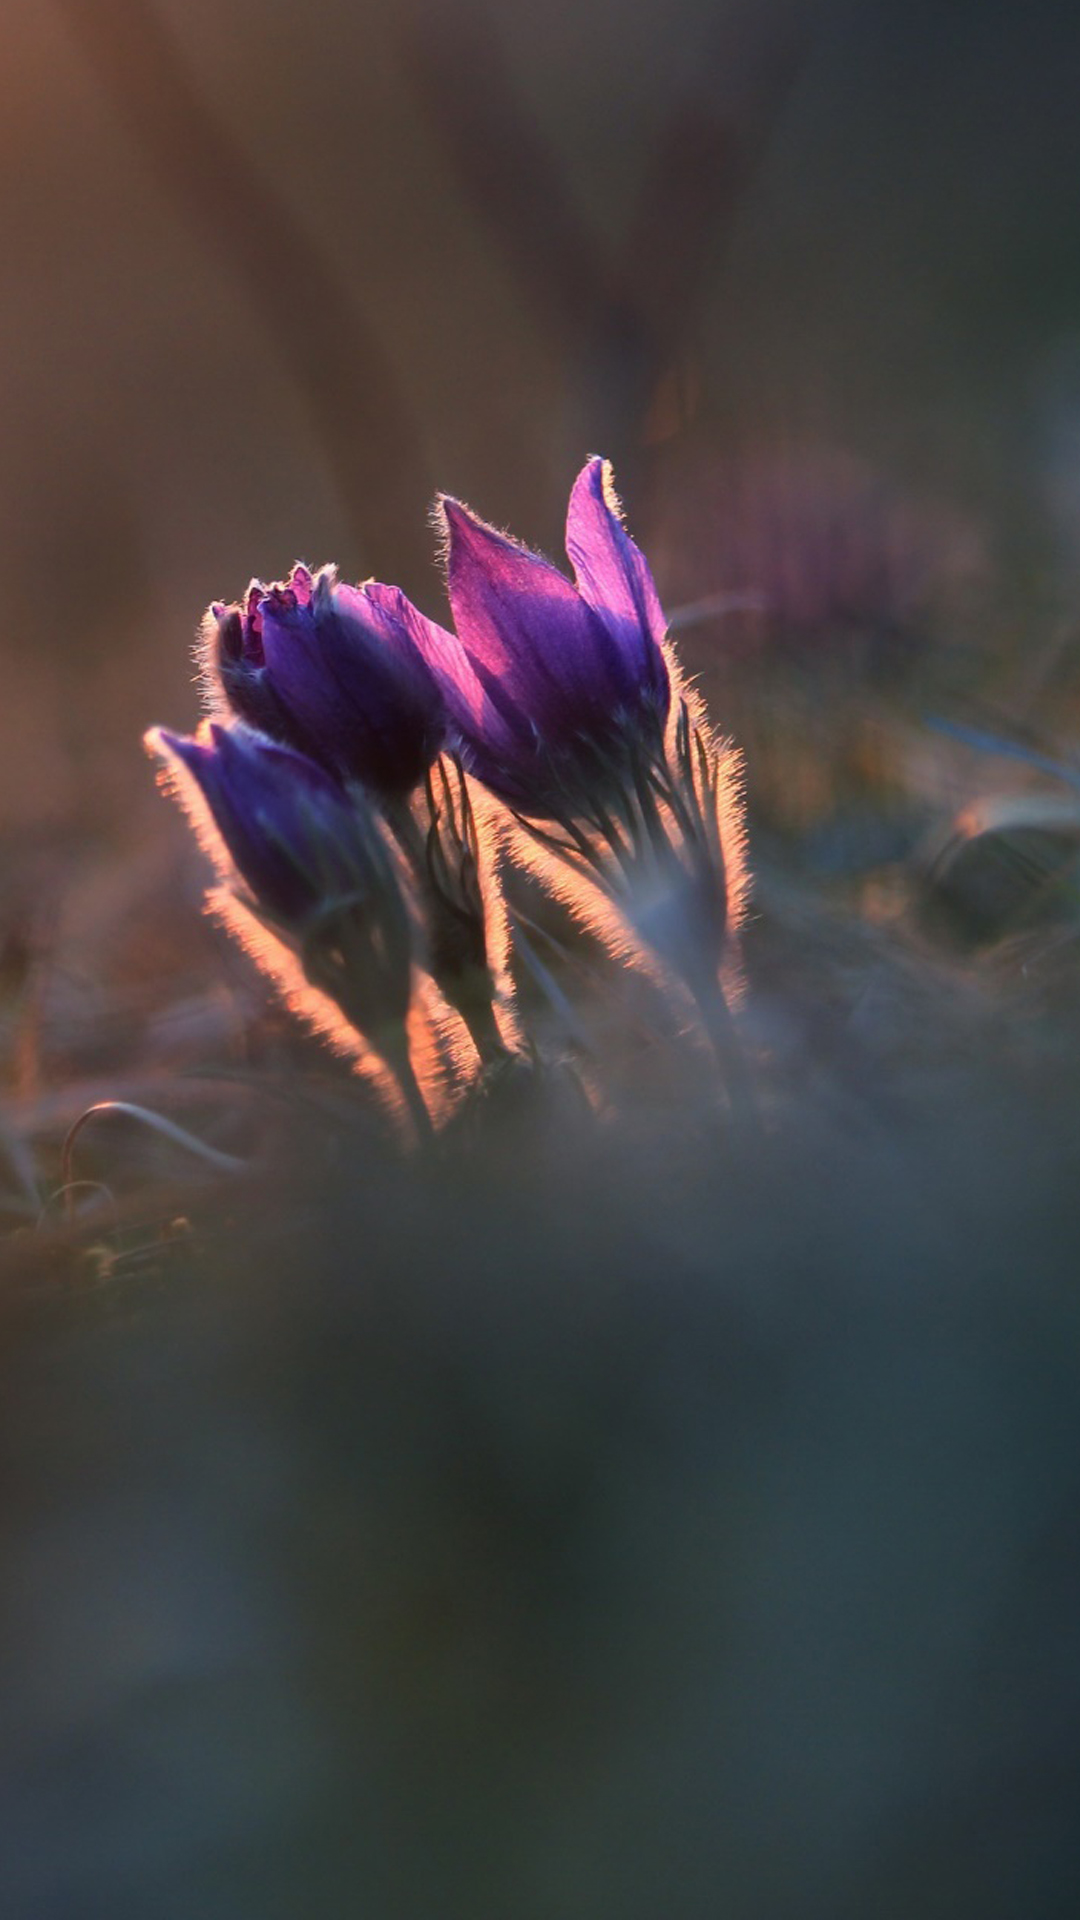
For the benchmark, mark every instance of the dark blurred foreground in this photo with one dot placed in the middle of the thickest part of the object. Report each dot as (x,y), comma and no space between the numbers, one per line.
(621,1521)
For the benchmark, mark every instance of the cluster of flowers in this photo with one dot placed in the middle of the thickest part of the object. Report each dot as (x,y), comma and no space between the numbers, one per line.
(362,770)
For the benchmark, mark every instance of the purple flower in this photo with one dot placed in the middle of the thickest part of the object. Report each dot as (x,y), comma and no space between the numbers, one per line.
(548,684)
(298,840)
(334,671)
(235,664)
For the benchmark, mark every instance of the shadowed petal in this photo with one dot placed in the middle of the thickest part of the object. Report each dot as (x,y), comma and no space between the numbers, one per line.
(351,677)
(479,707)
(394,624)
(234,671)
(318,871)
(303,672)
(283,821)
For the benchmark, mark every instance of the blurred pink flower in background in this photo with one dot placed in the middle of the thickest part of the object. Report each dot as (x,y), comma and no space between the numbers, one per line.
(809,543)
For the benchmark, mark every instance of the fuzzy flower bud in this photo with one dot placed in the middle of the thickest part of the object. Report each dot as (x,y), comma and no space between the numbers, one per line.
(334,671)
(310,853)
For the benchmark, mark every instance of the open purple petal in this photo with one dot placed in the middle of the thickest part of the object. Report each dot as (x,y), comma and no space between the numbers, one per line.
(520,619)
(613,577)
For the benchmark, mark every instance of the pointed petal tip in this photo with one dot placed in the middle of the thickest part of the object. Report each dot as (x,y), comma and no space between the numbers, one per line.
(186,749)
(164,740)
(597,479)
(462,521)
(470,541)
(451,512)
(458,529)
(239,741)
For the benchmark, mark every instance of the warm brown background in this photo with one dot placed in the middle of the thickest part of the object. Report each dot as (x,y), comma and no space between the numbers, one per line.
(871,244)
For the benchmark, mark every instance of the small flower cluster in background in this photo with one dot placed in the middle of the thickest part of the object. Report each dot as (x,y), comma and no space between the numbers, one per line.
(367,780)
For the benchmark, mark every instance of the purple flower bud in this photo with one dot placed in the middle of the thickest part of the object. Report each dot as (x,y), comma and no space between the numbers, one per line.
(547,683)
(299,841)
(234,663)
(334,671)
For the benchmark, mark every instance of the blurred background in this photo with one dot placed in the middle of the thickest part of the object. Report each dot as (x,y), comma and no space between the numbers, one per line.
(734,1568)
(275,273)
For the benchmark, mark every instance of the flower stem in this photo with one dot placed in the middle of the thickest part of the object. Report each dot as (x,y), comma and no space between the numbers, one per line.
(717,1020)
(396,1056)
